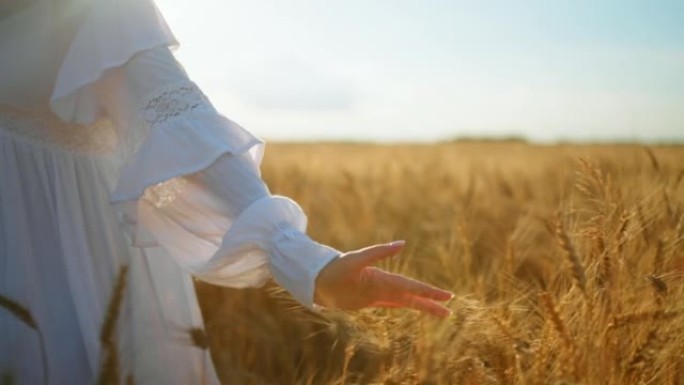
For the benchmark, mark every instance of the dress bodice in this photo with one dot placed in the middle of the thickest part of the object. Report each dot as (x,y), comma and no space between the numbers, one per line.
(40,126)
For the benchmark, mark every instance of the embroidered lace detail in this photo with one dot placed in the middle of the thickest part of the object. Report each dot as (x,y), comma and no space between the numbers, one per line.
(167,103)
(163,194)
(158,108)
(42,127)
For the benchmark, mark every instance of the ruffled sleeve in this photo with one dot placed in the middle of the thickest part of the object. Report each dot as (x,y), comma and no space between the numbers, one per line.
(187,178)
(110,34)
(191,184)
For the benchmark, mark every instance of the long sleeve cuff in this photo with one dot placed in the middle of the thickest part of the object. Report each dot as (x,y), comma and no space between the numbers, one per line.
(271,229)
(296,262)
(267,239)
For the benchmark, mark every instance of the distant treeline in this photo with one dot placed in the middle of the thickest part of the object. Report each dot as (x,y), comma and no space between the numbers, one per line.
(488,139)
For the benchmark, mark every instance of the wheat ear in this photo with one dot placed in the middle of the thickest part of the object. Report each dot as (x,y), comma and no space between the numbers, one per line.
(24,315)
(571,254)
(109,371)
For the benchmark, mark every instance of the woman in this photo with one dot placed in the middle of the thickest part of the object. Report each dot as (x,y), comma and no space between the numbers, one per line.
(110,156)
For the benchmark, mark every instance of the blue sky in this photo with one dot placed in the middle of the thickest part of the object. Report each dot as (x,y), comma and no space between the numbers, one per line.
(435,69)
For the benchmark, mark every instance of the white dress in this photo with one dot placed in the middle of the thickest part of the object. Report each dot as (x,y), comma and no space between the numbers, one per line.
(110,156)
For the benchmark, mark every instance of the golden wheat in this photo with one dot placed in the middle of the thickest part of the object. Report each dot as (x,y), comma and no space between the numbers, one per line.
(496,223)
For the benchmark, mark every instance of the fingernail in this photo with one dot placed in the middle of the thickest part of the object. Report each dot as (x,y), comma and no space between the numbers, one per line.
(443,295)
(397,243)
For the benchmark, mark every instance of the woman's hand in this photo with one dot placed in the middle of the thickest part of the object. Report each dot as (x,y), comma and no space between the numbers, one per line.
(348,282)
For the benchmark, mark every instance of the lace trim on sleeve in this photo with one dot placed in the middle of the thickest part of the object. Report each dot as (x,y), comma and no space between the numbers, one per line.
(162,106)
(169,102)
(158,108)
(176,132)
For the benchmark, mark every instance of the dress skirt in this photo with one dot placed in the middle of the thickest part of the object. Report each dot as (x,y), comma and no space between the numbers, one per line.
(61,251)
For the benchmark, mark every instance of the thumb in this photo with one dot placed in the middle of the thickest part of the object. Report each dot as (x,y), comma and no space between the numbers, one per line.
(367,256)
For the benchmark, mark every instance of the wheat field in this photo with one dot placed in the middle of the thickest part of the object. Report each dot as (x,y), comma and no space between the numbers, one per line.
(566,262)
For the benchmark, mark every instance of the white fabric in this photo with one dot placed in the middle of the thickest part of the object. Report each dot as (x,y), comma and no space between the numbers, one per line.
(60,251)
(184,181)
(177,133)
(112,32)
(33,43)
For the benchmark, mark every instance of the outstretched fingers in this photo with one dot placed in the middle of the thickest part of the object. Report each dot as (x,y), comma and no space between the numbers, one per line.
(370,255)
(400,284)
(398,291)
(384,289)
(427,306)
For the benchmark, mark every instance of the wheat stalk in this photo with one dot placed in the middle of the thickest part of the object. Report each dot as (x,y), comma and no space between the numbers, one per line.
(20,312)
(573,258)
(621,234)
(113,308)
(638,317)
(25,316)
(641,361)
(654,161)
(109,371)
(555,318)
